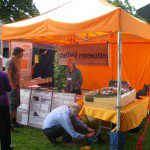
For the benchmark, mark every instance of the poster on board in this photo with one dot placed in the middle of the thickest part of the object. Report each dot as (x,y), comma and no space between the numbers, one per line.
(60,99)
(40,106)
(23,109)
(22,116)
(25,99)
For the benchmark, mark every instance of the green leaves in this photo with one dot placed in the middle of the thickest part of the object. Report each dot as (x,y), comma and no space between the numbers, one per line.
(15,10)
(59,74)
(125,6)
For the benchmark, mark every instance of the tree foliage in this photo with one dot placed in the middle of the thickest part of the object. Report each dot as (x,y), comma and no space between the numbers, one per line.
(125,6)
(15,10)
(59,74)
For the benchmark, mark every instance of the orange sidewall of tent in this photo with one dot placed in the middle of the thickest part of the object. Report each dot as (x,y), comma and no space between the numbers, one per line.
(135,67)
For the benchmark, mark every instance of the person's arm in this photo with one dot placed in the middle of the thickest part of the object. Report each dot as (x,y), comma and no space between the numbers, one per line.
(9,74)
(81,123)
(65,122)
(9,68)
(8,87)
(80,77)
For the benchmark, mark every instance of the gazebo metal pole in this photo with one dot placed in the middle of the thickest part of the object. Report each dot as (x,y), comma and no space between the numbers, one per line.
(119,80)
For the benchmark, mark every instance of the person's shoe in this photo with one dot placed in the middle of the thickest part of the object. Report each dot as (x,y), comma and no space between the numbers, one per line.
(11,147)
(16,125)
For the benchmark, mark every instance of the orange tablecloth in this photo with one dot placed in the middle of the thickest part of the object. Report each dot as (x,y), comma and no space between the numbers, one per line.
(131,115)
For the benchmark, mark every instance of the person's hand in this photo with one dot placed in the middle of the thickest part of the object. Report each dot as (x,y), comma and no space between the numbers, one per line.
(90,130)
(89,135)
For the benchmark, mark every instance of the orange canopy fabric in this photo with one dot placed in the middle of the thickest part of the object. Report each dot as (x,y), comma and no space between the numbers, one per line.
(92,21)
(76,20)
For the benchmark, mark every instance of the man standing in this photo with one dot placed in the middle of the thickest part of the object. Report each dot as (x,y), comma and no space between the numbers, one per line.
(63,121)
(13,72)
(5,135)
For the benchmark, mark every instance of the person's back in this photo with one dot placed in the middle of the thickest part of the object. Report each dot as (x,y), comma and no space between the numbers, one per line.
(4,87)
(63,121)
(53,117)
(5,135)
(13,65)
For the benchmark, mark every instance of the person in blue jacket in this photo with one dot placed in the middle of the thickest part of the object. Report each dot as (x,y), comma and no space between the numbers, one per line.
(63,121)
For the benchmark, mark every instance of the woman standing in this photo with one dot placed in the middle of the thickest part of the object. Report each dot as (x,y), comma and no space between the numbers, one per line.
(74,77)
(5,134)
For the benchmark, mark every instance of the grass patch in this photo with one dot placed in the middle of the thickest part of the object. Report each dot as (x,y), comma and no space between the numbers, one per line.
(28,138)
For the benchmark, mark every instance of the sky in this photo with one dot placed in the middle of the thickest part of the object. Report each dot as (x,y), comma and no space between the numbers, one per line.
(46,5)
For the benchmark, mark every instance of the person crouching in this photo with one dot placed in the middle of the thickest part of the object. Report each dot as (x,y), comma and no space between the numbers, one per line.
(63,121)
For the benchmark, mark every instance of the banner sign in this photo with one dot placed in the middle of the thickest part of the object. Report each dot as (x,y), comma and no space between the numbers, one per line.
(85,55)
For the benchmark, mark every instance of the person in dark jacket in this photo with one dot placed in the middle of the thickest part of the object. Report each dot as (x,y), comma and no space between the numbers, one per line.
(5,134)
(74,77)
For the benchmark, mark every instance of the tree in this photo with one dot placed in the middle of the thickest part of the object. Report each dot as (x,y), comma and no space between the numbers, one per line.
(15,10)
(125,6)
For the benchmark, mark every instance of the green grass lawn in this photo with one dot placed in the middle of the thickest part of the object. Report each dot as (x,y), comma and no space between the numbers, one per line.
(28,138)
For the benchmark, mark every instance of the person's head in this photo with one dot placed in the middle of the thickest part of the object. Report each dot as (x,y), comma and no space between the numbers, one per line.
(76,108)
(71,62)
(18,52)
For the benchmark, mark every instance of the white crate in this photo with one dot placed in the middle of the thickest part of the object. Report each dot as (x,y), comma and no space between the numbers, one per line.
(111,102)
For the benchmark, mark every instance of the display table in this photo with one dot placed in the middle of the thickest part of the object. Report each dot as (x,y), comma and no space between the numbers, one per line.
(131,115)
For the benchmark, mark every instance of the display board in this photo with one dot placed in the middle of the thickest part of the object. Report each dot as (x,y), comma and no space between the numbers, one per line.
(22,116)
(23,109)
(25,98)
(60,99)
(37,103)
(40,106)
